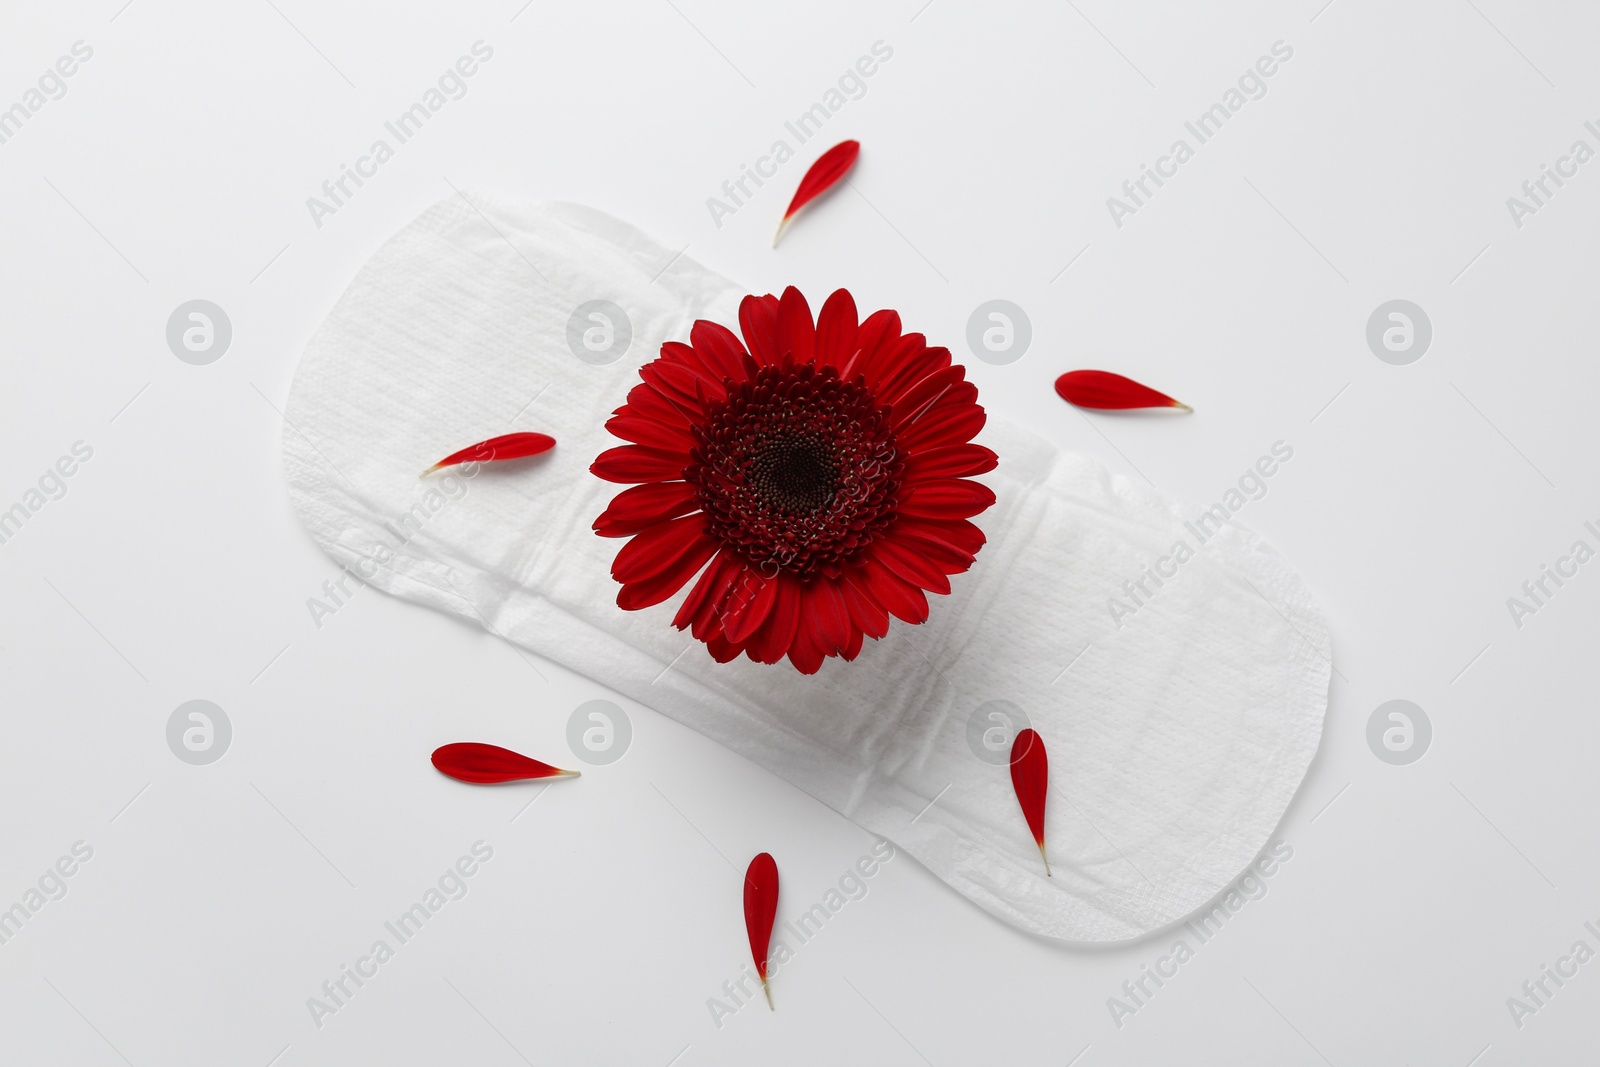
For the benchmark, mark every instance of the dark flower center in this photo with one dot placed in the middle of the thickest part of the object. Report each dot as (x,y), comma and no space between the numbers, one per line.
(794,473)
(796,470)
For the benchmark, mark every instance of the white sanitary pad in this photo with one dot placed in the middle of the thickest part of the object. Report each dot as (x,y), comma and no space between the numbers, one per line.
(1176,740)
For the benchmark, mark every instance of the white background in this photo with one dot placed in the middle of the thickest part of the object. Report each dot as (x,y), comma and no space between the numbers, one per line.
(219,898)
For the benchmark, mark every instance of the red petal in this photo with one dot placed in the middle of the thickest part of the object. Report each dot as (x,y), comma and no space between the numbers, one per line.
(646,400)
(772,641)
(958,395)
(836,330)
(708,592)
(821,176)
(631,463)
(910,565)
(944,541)
(681,375)
(673,382)
(866,614)
(826,615)
(760,909)
(659,547)
(1030,777)
(951,461)
(902,599)
(941,553)
(893,357)
(940,386)
(880,330)
(645,505)
(652,433)
(796,334)
(748,605)
(758,321)
(651,591)
(946,424)
(470,761)
(913,373)
(506,446)
(722,650)
(706,365)
(946,498)
(719,348)
(805,653)
(1102,389)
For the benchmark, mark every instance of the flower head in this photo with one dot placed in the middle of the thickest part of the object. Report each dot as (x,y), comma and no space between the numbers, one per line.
(815,476)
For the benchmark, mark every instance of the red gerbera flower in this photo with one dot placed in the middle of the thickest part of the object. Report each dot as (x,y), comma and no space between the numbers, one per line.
(818,473)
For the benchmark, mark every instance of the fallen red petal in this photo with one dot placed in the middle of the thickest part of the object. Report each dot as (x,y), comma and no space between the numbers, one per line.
(760,909)
(480,764)
(506,446)
(1030,777)
(824,174)
(1103,390)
